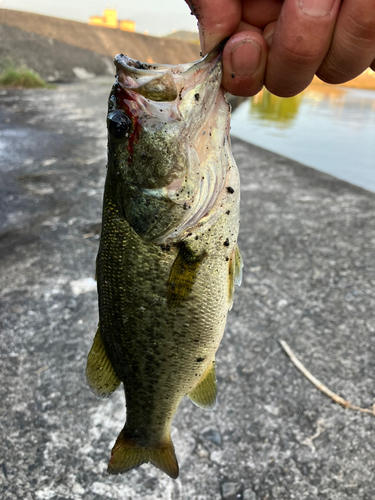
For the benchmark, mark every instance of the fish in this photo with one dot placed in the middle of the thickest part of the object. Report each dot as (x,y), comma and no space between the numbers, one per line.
(168,259)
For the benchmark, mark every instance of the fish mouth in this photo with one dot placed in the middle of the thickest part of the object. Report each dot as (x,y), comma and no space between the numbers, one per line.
(162,82)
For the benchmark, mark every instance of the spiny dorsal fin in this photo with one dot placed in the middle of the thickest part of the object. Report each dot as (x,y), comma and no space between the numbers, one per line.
(128,454)
(100,374)
(204,393)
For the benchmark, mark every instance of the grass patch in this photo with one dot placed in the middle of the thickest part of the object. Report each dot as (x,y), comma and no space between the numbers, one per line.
(22,77)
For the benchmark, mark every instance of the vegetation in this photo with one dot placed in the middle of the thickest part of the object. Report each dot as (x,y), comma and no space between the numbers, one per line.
(21,77)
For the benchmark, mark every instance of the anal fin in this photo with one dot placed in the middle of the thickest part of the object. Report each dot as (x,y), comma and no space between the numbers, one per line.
(204,393)
(128,454)
(100,374)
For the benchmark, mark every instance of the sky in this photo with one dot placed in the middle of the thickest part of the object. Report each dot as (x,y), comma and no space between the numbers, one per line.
(158,17)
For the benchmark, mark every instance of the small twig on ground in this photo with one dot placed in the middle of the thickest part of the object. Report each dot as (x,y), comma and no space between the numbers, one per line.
(319,385)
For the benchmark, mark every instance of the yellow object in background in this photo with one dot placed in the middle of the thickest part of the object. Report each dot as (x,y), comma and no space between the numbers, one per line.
(127,25)
(110,20)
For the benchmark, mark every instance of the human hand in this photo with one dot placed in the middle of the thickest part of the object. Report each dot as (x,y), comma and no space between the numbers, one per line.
(282,44)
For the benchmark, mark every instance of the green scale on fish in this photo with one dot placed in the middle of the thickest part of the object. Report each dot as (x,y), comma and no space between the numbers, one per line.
(168,258)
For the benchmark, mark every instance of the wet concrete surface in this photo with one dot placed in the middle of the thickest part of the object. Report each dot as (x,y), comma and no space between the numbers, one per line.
(308,244)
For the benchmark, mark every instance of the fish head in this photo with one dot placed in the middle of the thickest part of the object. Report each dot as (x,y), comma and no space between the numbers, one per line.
(157,115)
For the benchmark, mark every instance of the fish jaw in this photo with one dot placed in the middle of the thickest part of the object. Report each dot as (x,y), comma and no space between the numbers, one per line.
(173,98)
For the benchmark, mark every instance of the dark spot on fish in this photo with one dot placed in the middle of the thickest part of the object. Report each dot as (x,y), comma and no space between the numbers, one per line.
(226,243)
(199,360)
(184,206)
(165,248)
(196,97)
(196,237)
(232,75)
(230,190)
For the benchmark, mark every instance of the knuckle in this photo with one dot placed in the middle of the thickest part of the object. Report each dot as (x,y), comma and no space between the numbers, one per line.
(301,55)
(360,31)
(300,50)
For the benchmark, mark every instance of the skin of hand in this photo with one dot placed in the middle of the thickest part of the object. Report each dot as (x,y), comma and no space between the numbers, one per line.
(282,44)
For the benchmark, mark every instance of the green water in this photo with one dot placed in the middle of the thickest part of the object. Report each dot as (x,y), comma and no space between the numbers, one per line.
(328,128)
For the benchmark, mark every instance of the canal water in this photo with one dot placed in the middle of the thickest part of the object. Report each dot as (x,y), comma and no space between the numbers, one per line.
(328,128)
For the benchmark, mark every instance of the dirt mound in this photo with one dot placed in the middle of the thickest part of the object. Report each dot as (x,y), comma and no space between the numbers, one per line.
(104,41)
(53,60)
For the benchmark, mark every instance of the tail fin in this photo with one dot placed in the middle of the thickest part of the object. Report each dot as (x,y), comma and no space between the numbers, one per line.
(128,454)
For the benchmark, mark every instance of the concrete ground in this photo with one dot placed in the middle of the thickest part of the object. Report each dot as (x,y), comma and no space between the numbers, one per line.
(308,244)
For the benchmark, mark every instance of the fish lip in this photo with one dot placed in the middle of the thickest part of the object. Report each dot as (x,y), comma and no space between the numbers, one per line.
(138,70)
(215,52)
(131,66)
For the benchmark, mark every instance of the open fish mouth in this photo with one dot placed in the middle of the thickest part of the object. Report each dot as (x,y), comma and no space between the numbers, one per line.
(163,82)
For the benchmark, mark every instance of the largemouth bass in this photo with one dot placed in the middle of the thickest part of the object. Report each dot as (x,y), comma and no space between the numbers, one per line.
(168,257)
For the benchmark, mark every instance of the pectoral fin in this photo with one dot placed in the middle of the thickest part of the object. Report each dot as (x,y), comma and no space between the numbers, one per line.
(182,275)
(100,374)
(238,266)
(204,394)
(235,274)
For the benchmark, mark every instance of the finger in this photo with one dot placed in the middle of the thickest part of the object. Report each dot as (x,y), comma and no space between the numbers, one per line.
(259,13)
(268,33)
(217,19)
(300,41)
(244,63)
(353,45)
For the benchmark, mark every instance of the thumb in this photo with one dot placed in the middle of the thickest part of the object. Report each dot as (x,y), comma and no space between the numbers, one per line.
(217,19)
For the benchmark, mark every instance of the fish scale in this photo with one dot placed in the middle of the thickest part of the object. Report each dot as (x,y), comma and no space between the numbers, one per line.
(166,267)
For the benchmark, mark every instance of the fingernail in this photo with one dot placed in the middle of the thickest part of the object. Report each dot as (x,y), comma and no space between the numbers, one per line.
(316,8)
(245,58)
(268,35)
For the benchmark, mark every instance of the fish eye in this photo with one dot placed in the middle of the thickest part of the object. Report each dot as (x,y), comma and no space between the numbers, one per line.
(119,124)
